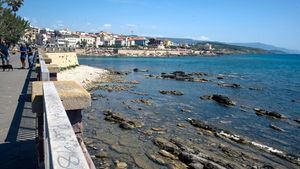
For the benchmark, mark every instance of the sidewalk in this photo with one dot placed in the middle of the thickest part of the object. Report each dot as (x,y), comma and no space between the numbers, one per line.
(17,122)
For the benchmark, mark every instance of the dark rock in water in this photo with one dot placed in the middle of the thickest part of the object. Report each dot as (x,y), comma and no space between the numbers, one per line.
(167,154)
(156,159)
(222,100)
(101,154)
(168,76)
(185,110)
(166,145)
(196,166)
(178,73)
(125,123)
(189,158)
(297,120)
(144,101)
(254,88)
(262,112)
(276,128)
(266,166)
(202,125)
(172,92)
(118,73)
(202,80)
(234,85)
(138,70)
(205,97)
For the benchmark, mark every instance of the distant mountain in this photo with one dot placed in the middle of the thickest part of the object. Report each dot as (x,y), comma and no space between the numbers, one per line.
(238,46)
(273,49)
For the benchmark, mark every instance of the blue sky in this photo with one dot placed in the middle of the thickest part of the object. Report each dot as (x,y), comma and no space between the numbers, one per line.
(275,22)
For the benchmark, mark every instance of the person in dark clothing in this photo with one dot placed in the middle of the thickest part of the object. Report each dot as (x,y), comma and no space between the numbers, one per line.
(30,56)
(23,51)
(4,53)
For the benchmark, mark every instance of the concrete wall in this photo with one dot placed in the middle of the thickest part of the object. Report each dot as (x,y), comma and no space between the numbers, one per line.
(63,59)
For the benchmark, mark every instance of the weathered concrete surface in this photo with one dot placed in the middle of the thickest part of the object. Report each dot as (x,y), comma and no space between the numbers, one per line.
(63,59)
(73,96)
(53,68)
(17,122)
(47,60)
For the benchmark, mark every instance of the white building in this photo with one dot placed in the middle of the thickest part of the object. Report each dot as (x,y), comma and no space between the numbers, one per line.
(89,39)
(72,41)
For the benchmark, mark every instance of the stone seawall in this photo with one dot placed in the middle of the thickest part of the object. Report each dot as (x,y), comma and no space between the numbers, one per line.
(63,60)
(150,52)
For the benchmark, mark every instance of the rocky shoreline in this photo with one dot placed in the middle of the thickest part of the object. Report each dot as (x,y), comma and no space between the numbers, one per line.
(116,139)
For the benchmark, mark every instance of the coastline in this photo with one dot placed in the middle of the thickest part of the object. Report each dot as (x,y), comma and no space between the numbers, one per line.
(84,75)
(127,119)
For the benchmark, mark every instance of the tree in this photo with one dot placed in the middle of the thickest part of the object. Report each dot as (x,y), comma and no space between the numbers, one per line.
(12,5)
(12,26)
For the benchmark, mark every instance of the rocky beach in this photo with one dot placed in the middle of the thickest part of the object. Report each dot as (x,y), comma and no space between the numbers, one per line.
(147,115)
(83,75)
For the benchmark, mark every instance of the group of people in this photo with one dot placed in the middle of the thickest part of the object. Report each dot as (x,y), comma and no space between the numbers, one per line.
(4,53)
(26,51)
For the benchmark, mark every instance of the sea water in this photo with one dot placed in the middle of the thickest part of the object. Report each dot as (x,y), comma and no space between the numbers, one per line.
(276,78)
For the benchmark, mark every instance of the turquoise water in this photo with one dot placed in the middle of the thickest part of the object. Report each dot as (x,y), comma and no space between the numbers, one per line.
(277,75)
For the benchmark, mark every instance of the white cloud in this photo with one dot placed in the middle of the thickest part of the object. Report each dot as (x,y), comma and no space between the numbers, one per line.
(202,37)
(153,27)
(130,25)
(107,26)
(59,24)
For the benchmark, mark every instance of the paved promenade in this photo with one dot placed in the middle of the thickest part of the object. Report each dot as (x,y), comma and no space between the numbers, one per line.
(17,122)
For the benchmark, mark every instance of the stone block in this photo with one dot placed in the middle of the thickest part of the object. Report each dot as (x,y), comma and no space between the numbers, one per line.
(73,96)
(47,60)
(53,68)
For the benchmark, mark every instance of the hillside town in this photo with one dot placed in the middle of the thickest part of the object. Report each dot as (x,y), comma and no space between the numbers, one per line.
(109,44)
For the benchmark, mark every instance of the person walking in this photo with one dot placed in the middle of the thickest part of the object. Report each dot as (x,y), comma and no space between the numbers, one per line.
(4,53)
(23,54)
(30,56)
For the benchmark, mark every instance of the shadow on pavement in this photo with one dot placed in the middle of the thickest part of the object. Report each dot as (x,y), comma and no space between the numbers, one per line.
(19,149)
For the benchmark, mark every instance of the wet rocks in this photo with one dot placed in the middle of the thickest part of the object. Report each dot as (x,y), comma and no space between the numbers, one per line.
(185,110)
(223,100)
(167,154)
(111,88)
(297,120)
(276,128)
(183,76)
(157,129)
(144,101)
(125,123)
(201,124)
(120,165)
(101,154)
(205,97)
(139,70)
(233,85)
(156,159)
(171,92)
(194,160)
(166,145)
(272,114)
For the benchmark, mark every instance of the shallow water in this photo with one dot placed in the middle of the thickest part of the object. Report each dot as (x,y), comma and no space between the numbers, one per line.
(278,77)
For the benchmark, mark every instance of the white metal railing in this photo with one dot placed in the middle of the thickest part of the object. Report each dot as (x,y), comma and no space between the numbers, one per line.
(62,149)
(44,74)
